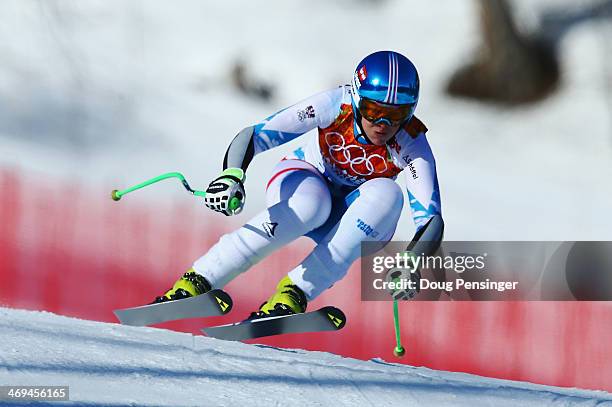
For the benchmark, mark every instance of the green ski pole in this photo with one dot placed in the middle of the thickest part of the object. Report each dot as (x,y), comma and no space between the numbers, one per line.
(117,194)
(399,350)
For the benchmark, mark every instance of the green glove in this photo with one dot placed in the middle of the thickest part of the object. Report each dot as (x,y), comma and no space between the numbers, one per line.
(411,273)
(226,193)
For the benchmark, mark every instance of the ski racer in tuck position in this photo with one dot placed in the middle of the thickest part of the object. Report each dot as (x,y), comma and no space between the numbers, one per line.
(338,188)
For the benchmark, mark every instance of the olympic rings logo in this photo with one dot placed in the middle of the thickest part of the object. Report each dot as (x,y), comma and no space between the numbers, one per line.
(354,155)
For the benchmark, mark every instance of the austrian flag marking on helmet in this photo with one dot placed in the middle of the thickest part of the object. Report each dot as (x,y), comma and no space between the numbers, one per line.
(363,73)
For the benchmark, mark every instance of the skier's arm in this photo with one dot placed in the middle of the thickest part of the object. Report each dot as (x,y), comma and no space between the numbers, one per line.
(424,197)
(226,193)
(423,194)
(316,111)
(241,150)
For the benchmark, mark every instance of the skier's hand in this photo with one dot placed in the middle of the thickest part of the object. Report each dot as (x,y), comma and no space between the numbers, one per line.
(226,193)
(405,272)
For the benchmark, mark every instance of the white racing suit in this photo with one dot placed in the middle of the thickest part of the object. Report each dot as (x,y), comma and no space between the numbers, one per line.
(337,189)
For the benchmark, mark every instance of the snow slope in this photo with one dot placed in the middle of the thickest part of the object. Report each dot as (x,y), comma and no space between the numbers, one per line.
(110,364)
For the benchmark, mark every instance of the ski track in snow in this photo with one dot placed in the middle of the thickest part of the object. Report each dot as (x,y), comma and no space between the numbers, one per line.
(110,364)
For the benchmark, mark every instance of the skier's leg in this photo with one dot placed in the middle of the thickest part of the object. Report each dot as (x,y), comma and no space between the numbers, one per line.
(372,215)
(298,201)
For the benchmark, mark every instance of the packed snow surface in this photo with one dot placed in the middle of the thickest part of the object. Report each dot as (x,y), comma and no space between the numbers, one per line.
(110,364)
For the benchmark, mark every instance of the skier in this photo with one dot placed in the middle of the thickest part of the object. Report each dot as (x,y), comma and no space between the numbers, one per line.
(338,188)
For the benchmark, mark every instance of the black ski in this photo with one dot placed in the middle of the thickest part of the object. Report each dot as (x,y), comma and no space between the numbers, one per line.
(213,303)
(324,319)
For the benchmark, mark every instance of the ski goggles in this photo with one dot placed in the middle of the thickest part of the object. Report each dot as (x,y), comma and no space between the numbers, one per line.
(377,112)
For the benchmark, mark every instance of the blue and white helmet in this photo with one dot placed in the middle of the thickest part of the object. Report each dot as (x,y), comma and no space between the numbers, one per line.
(386,77)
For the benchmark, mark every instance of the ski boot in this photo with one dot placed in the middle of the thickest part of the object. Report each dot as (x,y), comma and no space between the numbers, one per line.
(189,285)
(288,299)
